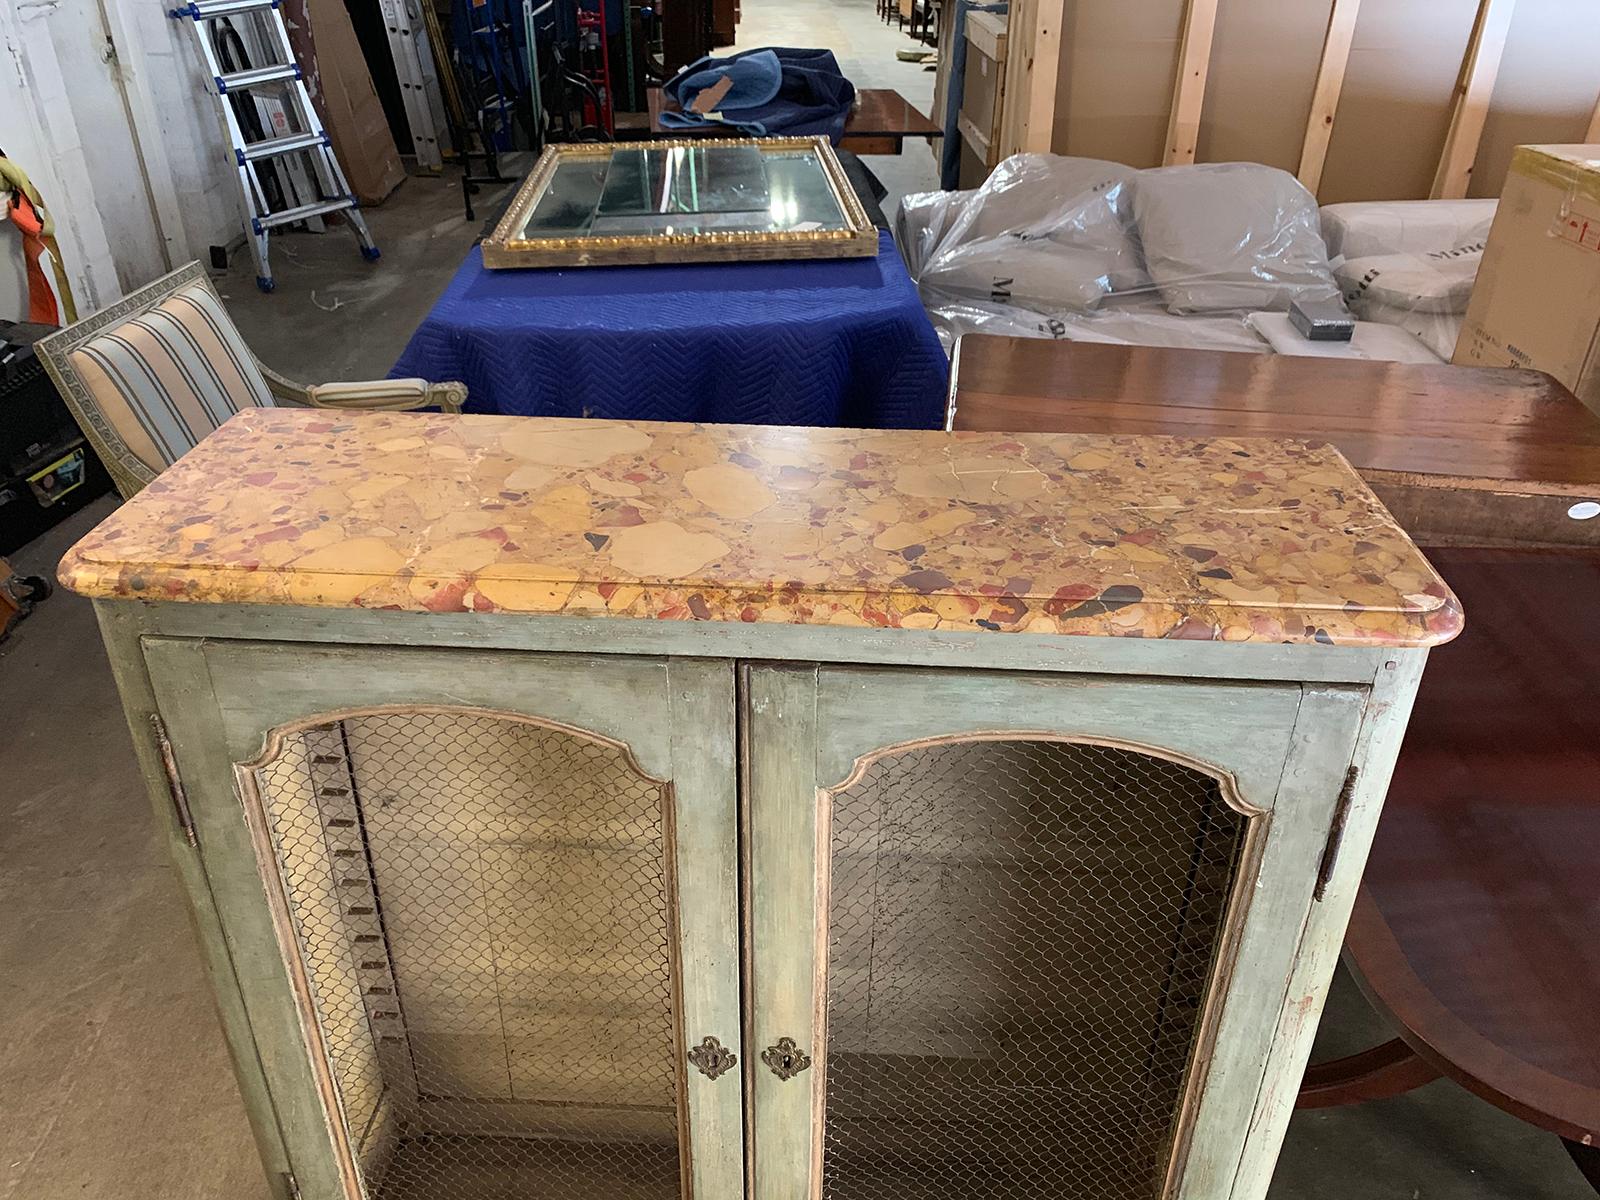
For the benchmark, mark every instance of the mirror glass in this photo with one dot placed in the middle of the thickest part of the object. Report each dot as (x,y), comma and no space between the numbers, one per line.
(685,190)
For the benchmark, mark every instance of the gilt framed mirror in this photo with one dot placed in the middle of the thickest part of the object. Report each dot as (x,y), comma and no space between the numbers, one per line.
(682,201)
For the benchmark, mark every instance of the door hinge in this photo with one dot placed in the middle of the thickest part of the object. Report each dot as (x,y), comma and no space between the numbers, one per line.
(169,763)
(1341,817)
(291,1188)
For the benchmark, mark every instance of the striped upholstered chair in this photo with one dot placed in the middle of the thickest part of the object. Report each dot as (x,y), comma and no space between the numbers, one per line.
(151,375)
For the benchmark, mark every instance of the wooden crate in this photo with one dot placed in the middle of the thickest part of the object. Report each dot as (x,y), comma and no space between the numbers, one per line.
(983,96)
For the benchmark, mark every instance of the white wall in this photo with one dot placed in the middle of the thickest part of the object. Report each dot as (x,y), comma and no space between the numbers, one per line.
(105,104)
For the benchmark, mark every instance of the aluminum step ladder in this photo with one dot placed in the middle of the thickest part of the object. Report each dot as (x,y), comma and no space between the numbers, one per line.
(310,140)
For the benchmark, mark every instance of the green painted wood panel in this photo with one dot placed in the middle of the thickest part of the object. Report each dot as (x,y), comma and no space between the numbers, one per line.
(768,642)
(221,699)
(786,883)
(139,701)
(1284,750)
(705,782)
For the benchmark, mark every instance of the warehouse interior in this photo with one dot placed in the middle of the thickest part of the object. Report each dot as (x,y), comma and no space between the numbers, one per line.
(664,598)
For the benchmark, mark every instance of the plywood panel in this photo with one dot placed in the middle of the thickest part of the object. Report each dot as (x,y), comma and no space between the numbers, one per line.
(1395,112)
(1114,91)
(1118,62)
(1549,78)
(1263,69)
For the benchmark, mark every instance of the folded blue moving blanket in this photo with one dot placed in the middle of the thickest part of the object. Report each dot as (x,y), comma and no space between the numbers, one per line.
(775,92)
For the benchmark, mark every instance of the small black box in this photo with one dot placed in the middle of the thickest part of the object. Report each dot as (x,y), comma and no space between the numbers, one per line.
(1322,320)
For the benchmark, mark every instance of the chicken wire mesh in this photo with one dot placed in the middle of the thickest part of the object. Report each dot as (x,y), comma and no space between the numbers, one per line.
(1022,934)
(481,908)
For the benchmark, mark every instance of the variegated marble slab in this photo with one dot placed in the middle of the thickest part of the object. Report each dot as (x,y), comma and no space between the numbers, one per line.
(1044,533)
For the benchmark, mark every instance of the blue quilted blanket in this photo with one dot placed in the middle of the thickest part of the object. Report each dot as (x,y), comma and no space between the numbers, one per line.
(841,342)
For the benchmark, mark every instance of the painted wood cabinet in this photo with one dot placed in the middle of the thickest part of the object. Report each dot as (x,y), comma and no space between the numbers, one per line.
(899,815)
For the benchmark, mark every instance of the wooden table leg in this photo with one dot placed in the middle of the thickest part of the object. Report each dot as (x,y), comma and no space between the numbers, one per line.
(1387,1070)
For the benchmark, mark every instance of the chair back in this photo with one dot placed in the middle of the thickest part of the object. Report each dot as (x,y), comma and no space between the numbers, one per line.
(151,375)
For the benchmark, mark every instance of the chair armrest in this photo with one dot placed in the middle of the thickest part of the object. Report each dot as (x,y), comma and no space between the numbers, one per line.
(391,395)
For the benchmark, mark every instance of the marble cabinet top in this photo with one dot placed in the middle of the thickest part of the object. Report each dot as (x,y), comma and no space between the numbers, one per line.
(1043,533)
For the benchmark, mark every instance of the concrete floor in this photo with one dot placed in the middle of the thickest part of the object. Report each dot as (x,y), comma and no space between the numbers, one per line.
(113,1079)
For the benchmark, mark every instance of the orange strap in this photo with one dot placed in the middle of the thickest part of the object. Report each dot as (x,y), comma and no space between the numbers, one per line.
(41,300)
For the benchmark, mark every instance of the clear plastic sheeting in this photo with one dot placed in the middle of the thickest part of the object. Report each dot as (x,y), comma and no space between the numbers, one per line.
(1126,323)
(1372,342)
(1439,332)
(1044,232)
(1359,230)
(1089,250)
(1230,236)
(1425,294)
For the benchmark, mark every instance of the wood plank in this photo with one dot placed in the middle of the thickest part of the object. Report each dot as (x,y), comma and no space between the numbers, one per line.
(986,33)
(1189,88)
(1033,63)
(974,137)
(701,695)
(1474,93)
(1325,97)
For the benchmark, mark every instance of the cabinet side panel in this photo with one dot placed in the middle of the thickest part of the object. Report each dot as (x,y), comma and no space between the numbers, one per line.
(138,700)
(1383,726)
(185,692)
(1259,1003)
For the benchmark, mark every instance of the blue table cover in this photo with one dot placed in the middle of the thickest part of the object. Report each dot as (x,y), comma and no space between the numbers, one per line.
(841,342)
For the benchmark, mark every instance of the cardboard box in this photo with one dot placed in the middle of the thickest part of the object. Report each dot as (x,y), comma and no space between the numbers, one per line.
(341,87)
(1537,300)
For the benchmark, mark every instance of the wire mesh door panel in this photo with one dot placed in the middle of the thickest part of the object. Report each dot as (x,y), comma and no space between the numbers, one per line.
(1021,936)
(482,910)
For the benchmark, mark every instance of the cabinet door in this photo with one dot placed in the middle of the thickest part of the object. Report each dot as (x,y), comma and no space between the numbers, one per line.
(482,910)
(1021,935)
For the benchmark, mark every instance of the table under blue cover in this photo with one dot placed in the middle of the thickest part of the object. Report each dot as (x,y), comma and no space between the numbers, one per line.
(842,342)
